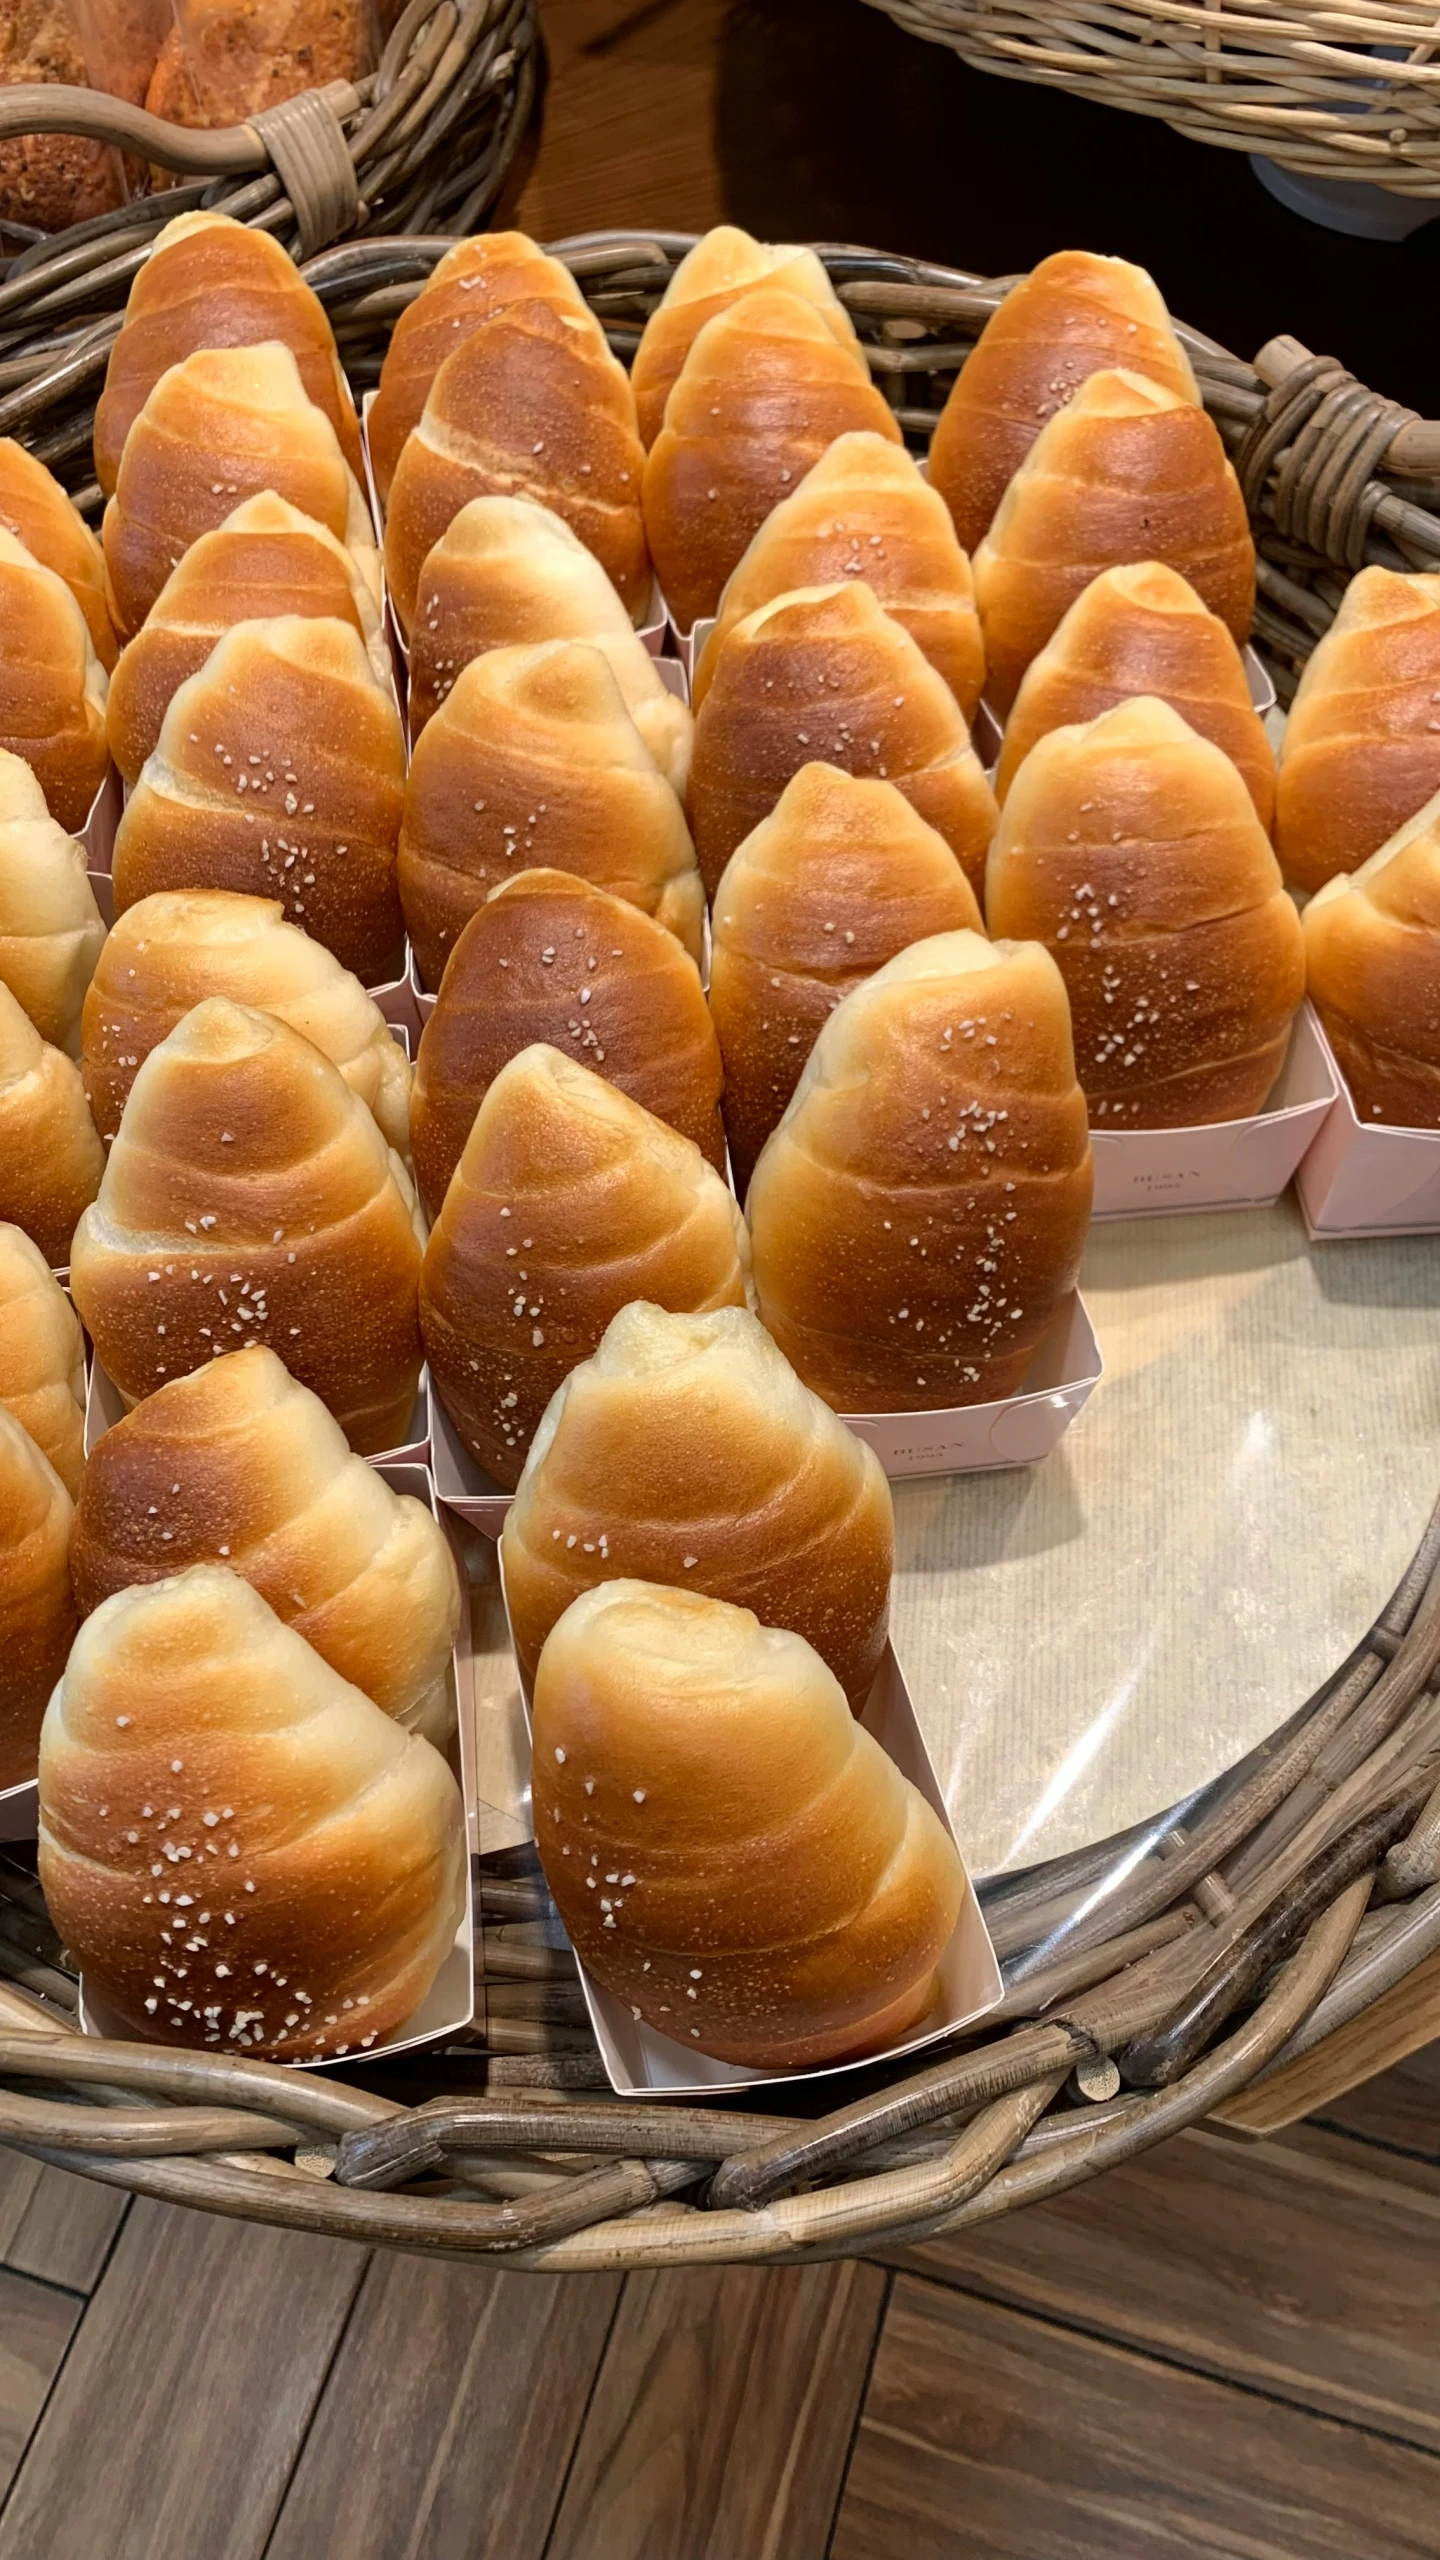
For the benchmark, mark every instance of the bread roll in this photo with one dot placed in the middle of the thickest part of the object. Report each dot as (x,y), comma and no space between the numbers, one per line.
(210,281)
(250,1197)
(1131,849)
(535,760)
(550,958)
(724,264)
(1073,315)
(766,386)
(1133,631)
(239,1465)
(52,686)
(50,927)
(531,405)
(1372,961)
(280,772)
(223,62)
(1361,751)
(39,513)
(265,560)
(238,1848)
(764,1886)
(938,1109)
(508,572)
(171,951)
(1127,471)
(838,878)
(223,425)
(51,1159)
(863,511)
(49,180)
(42,1356)
(824,675)
(37,1608)
(569,1201)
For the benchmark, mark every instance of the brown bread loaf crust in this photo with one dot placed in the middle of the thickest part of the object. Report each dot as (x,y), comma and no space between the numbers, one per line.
(1361,751)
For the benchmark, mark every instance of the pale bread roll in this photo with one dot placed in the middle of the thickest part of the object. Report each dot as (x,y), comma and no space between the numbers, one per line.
(569,1201)
(1131,849)
(37,1606)
(1372,962)
(51,1158)
(919,1214)
(50,927)
(43,516)
(42,1356)
(724,264)
(768,1888)
(1361,751)
(237,1847)
(52,686)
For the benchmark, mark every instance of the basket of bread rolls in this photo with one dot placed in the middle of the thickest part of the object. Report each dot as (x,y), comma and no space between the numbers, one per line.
(603,852)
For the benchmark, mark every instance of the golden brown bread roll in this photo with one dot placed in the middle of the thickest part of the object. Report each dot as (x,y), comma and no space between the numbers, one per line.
(837,879)
(42,1356)
(169,952)
(51,1158)
(37,1607)
(280,772)
(824,675)
(1133,631)
(238,1847)
(1073,315)
(766,1886)
(722,266)
(550,958)
(535,760)
(1131,849)
(223,62)
(250,1197)
(52,686)
(1372,963)
(50,927)
(920,1212)
(863,511)
(240,1465)
(765,388)
(532,405)
(569,1200)
(39,513)
(1126,471)
(1361,751)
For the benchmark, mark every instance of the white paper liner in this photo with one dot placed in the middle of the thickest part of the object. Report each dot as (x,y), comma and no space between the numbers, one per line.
(1017,1431)
(1225,1164)
(1367,1177)
(105,1406)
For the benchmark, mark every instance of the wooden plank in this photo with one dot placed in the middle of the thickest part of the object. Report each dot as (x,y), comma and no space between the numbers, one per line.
(723,2414)
(626,130)
(450,2415)
(55,2225)
(1397,2026)
(990,2436)
(1399,2107)
(36,2326)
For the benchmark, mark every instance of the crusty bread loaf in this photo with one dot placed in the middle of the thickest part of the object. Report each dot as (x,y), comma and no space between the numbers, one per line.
(550,958)
(1126,471)
(1073,315)
(531,405)
(49,180)
(52,685)
(42,1356)
(1372,961)
(766,386)
(1131,849)
(37,1607)
(39,513)
(534,759)
(250,1197)
(508,572)
(863,511)
(837,879)
(569,1201)
(724,264)
(1133,631)
(240,1465)
(169,952)
(51,1159)
(731,1853)
(825,675)
(50,927)
(280,772)
(1361,751)
(223,62)
(920,1212)
(238,1848)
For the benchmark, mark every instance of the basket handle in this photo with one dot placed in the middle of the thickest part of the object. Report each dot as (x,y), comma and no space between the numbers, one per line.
(1414,449)
(232,151)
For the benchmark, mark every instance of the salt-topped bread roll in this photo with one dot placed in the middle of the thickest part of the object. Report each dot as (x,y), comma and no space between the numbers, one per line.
(534,759)
(1372,959)
(532,405)
(508,572)
(1133,631)
(37,1607)
(766,386)
(280,773)
(210,281)
(50,927)
(731,1853)
(42,515)
(863,511)
(686,1450)
(239,1849)
(919,1213)
(569,1201)
(171,951)
(42,1356)
(837,879)
(1361,751)
(722,266)
(250,1197)
(1073,315)
(240,1465)
(1126,471)
(52,686)
(51,1158)
(550,958)
(825,675)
